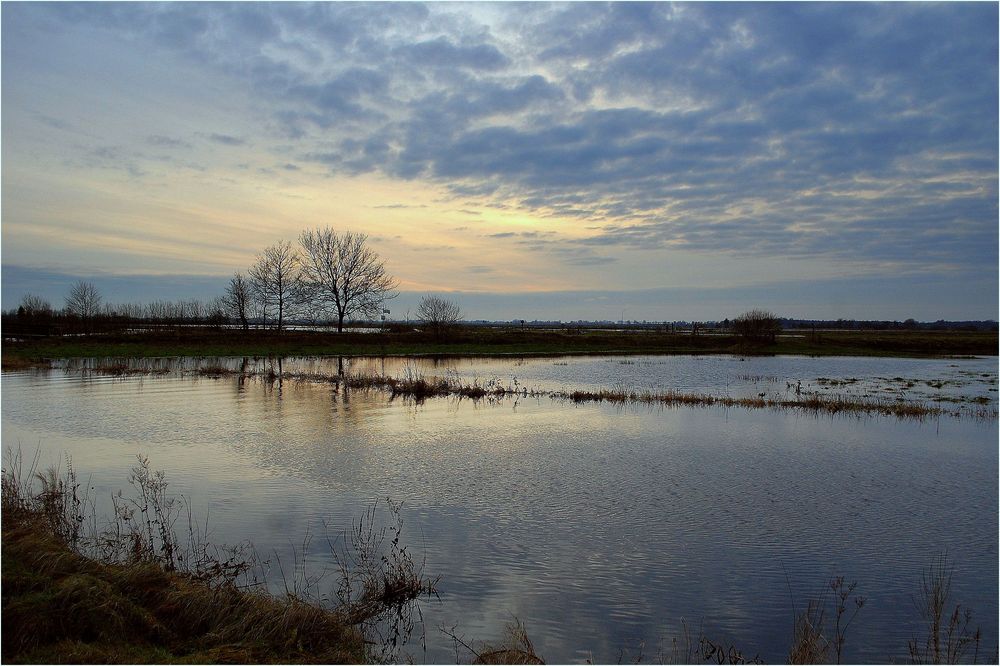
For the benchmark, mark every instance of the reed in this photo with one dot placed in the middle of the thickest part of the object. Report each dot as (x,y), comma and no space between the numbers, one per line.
(122,369)
(814,403)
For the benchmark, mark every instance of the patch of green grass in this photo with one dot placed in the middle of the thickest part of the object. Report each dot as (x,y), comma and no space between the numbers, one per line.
(479,341)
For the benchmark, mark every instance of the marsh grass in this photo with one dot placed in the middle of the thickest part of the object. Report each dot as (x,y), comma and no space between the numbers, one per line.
(122,369)
(11,363)
(514,648)
(688,650)
(811,403)
(215,371)
(418,387)
(950,637)
(130,590)
(814,636)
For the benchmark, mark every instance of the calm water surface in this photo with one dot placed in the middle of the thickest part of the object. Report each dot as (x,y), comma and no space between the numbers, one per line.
(600,528)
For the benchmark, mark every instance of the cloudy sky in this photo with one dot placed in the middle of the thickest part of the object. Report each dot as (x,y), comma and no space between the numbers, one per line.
(672,161)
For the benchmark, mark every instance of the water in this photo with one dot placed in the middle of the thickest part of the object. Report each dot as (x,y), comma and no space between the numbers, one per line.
(958,380)
(600,528)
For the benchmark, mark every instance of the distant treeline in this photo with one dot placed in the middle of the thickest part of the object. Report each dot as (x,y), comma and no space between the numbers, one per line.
(87,312)
(887,325)
(118,317)
(36,317)
(727,324)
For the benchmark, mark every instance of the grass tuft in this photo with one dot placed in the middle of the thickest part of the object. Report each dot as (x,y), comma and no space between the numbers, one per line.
(140,597)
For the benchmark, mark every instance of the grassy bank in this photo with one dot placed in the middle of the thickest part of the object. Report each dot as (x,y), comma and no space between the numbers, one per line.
(133,592)
(493,341)
(60,607)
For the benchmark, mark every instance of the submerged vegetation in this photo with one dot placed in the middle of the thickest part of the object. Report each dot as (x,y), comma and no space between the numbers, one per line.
(416,386)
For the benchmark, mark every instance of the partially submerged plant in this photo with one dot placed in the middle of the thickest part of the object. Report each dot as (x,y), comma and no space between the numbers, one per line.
(514,648)
(379,580)
(949,633)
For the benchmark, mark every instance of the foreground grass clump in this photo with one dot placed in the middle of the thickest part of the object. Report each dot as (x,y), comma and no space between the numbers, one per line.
(130,593)
(60,607)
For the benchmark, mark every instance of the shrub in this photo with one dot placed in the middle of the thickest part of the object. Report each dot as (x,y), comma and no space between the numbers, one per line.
(757,326)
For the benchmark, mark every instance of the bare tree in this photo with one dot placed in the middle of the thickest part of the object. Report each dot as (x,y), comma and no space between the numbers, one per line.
(342,275)
(34,306)
(438,313)
(84,300)
(215,312)
(275,277)
(237,299)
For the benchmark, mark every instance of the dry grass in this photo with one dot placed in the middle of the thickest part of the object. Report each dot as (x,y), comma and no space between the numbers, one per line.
(815,404)
(10,363)
(132,592)
(215,371)
(122,369)
(420,388)
(412,385)
(62,607)
(949,635)
(514,648)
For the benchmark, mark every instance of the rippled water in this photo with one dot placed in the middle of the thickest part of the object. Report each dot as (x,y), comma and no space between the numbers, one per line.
(600,528)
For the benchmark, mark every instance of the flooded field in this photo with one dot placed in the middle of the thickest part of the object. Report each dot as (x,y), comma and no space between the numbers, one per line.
(601,527)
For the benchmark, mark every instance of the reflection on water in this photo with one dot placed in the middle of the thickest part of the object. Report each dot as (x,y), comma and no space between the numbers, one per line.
(960,380)
(599,527)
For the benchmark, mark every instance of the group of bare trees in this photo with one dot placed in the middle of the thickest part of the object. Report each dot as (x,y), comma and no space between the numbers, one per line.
(87,311)
(329,276)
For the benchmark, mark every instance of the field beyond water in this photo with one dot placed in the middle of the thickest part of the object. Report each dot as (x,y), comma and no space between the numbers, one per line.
(466,341)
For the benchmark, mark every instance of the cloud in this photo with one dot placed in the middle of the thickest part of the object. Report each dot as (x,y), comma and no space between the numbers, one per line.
(226,139)
(161,141)
(808,130)
(441,52)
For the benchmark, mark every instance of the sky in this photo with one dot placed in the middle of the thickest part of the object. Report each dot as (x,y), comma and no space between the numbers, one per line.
(647,161)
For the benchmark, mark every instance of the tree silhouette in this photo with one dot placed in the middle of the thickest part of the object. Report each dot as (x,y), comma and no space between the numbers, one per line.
(438,313)
(274,277)
(237,299)
(83,301)
(342,275)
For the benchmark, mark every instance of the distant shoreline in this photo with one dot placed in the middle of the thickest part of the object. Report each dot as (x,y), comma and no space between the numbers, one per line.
(476,341)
